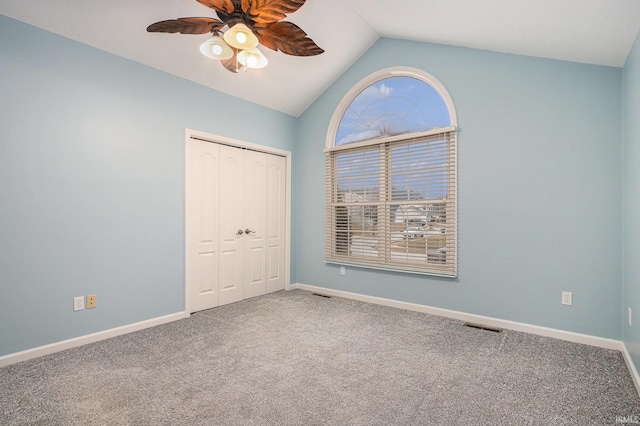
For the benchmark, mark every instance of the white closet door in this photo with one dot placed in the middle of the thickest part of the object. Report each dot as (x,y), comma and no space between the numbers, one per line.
(235,224)
(276,220)
(202,224)
(255,221)
(232,219)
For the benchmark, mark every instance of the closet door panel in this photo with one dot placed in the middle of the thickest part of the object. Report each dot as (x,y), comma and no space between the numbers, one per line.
(256,165)
(276,222)
(202,225)
(231,205)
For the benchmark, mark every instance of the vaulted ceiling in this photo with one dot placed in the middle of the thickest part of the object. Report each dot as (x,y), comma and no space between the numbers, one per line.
(590,31)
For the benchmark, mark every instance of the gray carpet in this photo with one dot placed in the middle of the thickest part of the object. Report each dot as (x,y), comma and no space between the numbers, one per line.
(291,358)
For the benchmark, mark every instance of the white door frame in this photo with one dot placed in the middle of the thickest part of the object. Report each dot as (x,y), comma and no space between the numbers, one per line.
(194,134)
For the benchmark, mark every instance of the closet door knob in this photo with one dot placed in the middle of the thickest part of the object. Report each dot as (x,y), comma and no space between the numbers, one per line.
(240,231)
(248,231)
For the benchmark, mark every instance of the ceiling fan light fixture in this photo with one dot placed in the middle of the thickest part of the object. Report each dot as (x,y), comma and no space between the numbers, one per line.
(216,48)
(241,37)
(238,45)
(252,58)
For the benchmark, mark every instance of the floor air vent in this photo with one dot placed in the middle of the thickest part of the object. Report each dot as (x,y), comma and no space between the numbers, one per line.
(322,295)
(483,327)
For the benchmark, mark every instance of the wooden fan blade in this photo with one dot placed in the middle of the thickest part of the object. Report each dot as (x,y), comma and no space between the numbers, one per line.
(232,63)
(264,12)
(187,26)
(288,38)
(224,6)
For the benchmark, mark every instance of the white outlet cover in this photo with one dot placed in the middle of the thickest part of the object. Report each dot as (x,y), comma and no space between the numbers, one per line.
(630,315)
(78,303)
(567,298)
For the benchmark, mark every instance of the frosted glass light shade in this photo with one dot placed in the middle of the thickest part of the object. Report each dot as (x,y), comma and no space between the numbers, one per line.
(241,37)
(252,58)
(216,48)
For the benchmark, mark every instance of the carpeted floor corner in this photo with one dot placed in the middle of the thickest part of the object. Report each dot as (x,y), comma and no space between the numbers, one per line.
(292,358)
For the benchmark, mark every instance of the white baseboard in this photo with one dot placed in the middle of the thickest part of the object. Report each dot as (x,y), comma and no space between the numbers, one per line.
(586,339)
(89,338)
(632,367)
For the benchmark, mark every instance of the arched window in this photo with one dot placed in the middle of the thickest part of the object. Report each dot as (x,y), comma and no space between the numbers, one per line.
(391,175)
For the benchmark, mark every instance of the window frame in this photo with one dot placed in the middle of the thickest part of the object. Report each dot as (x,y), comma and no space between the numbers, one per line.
(332,151)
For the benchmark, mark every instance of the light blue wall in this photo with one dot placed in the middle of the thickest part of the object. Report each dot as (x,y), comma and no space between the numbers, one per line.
(92,171)
(631,203)
(539,189)
(92,194)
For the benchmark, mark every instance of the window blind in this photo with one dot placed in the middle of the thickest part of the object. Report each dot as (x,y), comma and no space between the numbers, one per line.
(391,203)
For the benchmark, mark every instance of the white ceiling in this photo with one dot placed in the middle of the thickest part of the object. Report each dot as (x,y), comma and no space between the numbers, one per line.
(591,31)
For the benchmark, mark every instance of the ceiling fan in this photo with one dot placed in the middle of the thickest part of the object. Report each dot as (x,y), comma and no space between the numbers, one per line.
(249,22)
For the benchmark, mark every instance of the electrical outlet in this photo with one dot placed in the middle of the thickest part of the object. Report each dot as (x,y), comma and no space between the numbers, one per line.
(567,298)
(78,303)
(91,301)
(342,270)
(630,315)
